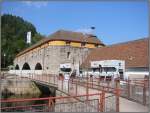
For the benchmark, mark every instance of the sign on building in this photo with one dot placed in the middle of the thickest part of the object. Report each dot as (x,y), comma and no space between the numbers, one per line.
(66,65)
(29,37)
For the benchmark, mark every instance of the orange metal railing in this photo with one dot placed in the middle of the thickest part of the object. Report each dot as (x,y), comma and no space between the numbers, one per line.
(77,103)
(81,87)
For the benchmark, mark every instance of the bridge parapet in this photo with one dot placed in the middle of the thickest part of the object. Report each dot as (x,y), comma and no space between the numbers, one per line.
(25,73)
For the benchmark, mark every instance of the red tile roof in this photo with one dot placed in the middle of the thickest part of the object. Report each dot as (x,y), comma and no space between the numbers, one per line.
(65,36)
(75,36)
(135,53)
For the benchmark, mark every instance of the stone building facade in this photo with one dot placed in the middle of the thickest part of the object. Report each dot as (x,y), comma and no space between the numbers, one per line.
(60,47)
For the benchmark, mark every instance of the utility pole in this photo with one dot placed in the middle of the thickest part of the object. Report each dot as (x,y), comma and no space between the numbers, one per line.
(4,59)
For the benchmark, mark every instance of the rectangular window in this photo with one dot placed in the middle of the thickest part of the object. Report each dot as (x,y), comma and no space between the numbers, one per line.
(67,42)
(96,45)
(68,55)
(83,44)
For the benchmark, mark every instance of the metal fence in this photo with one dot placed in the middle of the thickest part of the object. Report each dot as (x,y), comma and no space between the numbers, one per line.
(136,90)
(61,104)
(110,104)
(84,106)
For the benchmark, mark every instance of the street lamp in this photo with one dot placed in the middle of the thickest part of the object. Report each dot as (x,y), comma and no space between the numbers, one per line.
(4,59)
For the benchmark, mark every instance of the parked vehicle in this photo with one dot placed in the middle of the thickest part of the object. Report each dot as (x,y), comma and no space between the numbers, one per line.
(65,70)
(108,68)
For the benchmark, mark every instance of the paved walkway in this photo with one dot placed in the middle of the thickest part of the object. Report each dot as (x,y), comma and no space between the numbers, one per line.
(130,106)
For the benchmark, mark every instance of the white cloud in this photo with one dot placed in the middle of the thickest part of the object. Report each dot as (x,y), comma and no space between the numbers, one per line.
(37,4)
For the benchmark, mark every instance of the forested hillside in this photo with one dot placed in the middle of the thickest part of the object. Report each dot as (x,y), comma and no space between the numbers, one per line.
(13,37)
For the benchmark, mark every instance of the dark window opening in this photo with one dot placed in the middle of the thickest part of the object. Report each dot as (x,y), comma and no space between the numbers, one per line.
(26,66)
(83,44)
(68,54)
(96,45)
(96,69)
(17,67)
(66,69)
(105,69)
(38,66)
(109,69)
(67,42)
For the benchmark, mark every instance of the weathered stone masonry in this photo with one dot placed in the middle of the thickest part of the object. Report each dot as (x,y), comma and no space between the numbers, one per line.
(52,53)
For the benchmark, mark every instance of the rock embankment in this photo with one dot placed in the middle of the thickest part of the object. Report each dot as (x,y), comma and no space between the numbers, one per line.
(18,86)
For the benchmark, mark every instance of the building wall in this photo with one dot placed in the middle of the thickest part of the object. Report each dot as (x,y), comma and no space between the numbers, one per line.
(51,55)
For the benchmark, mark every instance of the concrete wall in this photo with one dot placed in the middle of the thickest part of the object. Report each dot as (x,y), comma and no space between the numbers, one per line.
(51,57)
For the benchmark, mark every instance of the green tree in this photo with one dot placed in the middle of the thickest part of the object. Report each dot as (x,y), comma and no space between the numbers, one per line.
(13,37)
(37,37)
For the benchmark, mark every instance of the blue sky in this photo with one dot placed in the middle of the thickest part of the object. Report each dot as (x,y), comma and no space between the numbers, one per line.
(115,21)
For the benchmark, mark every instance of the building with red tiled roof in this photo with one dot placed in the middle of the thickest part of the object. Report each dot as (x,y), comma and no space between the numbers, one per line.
(89,40)
(134,53)
(61,47)
(78,50)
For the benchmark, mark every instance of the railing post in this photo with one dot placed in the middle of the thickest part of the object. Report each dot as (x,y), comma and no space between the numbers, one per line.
(98,81)
(117,93)
(144,93)
(54,79)
(41,77)
(87,90)
(102,102)
(49,79)
(68,85)
(128,88)
(51,105)
(92,82)
(76,87)
(62,84)
(33,75)
(117,99)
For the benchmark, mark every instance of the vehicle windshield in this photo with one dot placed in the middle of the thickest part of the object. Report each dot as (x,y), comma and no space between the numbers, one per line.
(65,69)
(105,69)
(96,69)
(109,69)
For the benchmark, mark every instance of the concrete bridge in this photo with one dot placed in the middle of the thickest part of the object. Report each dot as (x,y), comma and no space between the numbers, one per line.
(133,93)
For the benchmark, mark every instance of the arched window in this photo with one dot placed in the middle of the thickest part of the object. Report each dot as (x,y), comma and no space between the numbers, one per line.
(38,66)
(26,66)
(17,67)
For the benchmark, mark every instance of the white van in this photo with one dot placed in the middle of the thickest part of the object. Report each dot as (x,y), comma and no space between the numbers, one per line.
(108,68)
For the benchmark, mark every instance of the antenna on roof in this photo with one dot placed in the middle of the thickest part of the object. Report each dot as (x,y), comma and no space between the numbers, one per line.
(92,30)
(92,27)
